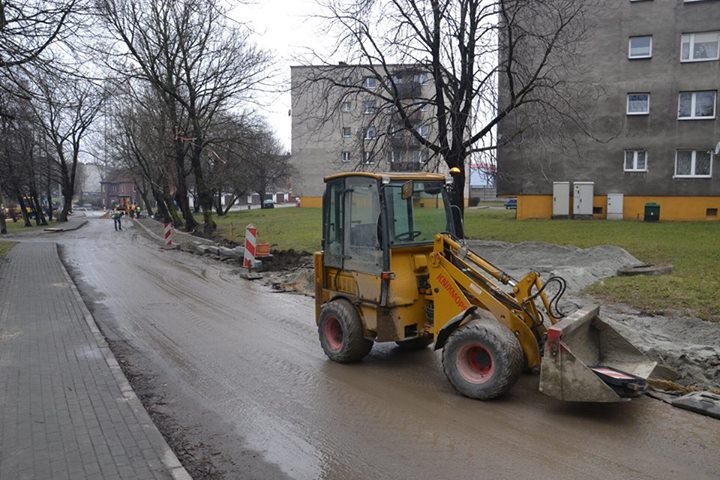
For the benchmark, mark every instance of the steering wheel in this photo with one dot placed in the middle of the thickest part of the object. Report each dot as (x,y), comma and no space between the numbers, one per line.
(411,235)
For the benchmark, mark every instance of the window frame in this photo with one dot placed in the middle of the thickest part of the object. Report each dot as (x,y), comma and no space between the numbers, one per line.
(693,162)
(346,132)
(639,57)
(369,107)
(693,103)
(692,44)
(627,104)
(347,107)
(367,133)
(371,83)
(635,160)
(345,156)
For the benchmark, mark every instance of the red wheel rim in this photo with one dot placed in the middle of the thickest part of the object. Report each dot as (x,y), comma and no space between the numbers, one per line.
(333,333)
(475,363)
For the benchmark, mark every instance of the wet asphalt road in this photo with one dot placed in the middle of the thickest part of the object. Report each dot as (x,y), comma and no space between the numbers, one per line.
(244,372)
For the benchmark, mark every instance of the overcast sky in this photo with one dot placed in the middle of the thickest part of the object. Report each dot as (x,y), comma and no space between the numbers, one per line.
(285,28)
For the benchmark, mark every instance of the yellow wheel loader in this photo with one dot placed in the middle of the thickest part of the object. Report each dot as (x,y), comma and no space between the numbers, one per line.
(394,269)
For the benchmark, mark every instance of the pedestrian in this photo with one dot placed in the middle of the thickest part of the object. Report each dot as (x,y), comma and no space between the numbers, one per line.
(117,219)
(133,207)
(138,209)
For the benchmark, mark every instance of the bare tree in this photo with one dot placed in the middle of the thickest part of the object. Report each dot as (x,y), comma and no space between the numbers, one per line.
(64,109)
(463,50)
(200,63)
(29,27)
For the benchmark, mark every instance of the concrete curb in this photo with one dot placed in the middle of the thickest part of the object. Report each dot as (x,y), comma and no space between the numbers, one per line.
(152,234)
(169,459)
(58,230)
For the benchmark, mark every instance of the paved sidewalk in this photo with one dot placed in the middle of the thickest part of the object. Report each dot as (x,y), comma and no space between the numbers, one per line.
(66,409)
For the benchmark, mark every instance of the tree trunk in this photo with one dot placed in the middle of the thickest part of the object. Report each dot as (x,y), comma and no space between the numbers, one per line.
(181,192)
(3,225)
(146,202)
(231,203)
(218,204)
(23,210)
(49,200)
(39,215)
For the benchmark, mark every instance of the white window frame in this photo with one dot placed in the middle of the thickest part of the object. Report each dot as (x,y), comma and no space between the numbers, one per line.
(638,57)
(345,156)
(693,158)
(370,83)
(635,161)
(347,107)
(369,107)
(368,158)
(627,104)
(691,47)
(692,105)
(367,133)
(346,132)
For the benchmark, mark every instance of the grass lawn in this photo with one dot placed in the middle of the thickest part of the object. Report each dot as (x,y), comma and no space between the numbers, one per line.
(19,226)
(5,247)
(692,247)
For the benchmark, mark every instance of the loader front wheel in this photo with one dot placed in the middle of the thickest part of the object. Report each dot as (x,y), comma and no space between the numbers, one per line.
(482,359)
(341,332)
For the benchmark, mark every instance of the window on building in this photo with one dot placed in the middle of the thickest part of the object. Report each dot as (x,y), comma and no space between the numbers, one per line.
(421,78)
(425,107)
(424,131)
(346,81)
(369,106)
(635,161)
(368,157)
(421,156)
(693,163)
(346,107)
(345,157)
(700,47)
(370,82)
(370,133)
(638,103)
(696,105)
(347,132)
(640,47)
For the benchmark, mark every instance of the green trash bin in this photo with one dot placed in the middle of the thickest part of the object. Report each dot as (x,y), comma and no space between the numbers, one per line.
(652,212)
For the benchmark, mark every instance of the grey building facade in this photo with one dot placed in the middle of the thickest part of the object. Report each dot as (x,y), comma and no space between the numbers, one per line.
(341,122)
(656,136)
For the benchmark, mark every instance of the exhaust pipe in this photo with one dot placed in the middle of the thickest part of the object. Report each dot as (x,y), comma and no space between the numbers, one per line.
(586,360)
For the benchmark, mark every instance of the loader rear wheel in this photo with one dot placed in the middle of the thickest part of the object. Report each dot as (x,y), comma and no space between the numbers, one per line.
(341,332)
(482,359)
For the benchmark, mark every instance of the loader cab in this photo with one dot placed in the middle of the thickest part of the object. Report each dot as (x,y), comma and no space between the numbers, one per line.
(365,216)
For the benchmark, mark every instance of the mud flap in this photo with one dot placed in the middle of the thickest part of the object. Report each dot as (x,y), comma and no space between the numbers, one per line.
(586,360)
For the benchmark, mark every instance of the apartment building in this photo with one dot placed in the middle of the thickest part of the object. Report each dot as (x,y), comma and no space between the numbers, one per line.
(344,119)
(655,128)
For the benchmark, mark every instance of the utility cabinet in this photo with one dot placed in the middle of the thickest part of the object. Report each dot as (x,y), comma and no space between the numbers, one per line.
(615,206)
(583,199)
(561,200)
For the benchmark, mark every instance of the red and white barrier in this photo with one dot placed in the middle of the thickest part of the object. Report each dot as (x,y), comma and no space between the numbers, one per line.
(250,243)
(167,234)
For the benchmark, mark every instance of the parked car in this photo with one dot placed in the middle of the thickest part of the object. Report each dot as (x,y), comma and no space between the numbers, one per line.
(511,204)
(268,204)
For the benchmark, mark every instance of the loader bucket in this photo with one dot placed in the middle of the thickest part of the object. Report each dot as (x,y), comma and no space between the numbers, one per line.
(586,360)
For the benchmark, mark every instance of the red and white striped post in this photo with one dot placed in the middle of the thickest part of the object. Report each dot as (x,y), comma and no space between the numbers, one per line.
(250,242)
(167,234)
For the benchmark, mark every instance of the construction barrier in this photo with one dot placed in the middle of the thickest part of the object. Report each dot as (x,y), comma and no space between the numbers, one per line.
(167,234)
(250,242)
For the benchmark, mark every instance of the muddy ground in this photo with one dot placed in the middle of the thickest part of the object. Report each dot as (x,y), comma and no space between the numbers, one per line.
(688,345)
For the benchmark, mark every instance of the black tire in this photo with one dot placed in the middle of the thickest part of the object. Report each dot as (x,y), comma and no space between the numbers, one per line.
(341,332)
(417,343)
(482,359)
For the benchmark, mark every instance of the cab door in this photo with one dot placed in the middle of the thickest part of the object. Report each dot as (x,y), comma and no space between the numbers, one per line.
(363,255)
